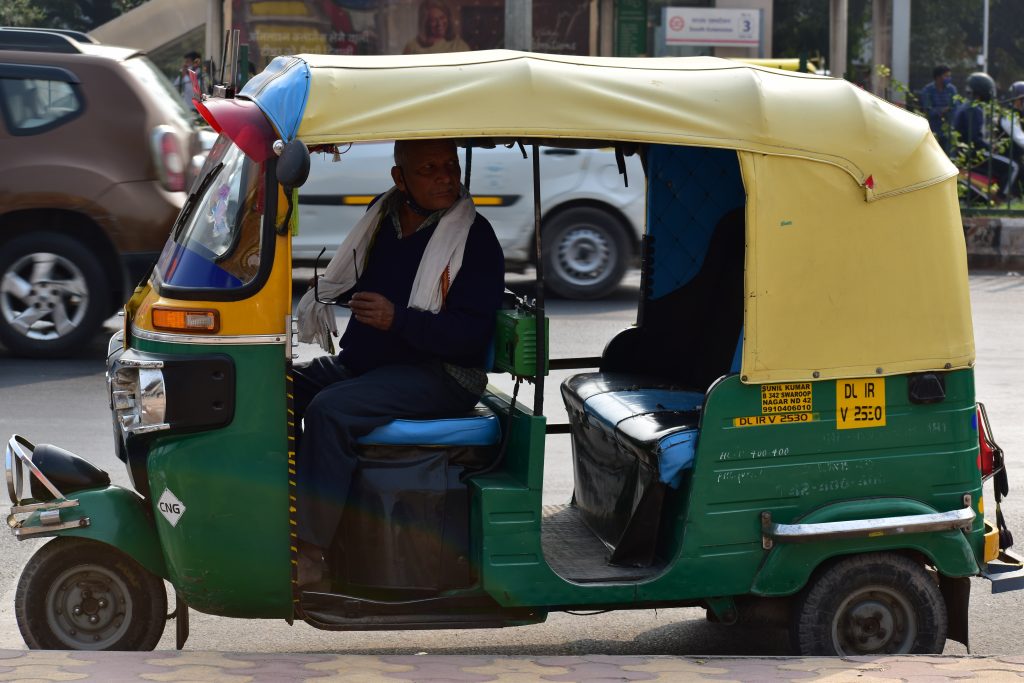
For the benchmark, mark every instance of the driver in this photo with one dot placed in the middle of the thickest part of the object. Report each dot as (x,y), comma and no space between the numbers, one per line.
(423,274)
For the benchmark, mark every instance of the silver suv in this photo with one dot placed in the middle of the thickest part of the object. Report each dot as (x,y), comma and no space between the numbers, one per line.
(591,222)
(94,166)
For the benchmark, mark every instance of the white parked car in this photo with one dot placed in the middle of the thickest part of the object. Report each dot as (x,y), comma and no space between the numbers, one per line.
(591,222)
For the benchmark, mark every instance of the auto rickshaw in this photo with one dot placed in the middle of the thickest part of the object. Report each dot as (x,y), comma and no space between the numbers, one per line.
(789,430)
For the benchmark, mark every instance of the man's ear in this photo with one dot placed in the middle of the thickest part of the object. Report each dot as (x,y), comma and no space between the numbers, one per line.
(398,177)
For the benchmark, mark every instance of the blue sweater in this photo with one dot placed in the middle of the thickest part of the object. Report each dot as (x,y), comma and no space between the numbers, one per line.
(458,334)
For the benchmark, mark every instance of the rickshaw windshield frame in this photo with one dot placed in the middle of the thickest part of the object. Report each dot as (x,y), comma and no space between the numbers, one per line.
(268,239)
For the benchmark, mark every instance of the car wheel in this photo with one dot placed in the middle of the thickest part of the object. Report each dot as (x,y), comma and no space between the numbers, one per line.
(880,603)
(79,594)
(585,253)
(53,295)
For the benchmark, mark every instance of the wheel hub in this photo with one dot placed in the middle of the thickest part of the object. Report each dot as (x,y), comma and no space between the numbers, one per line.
(874,620)
(583,255)
(43,296)
(88,608)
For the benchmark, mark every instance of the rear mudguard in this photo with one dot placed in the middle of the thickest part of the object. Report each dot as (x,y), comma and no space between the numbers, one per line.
(117,517)
(789,565)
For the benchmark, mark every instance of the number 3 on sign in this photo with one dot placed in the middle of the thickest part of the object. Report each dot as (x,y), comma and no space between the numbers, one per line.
(860,403)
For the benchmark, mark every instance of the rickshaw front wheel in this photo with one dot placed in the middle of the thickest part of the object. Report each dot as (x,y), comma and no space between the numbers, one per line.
(79,594)
(878,603)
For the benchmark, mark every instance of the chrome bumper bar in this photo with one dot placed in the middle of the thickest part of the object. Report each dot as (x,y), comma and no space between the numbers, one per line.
(863,528)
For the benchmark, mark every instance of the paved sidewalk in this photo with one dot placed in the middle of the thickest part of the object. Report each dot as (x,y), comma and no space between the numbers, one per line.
(114,667)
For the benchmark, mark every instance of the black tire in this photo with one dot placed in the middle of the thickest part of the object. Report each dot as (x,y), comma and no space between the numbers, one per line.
(585,253)
(79,594)
(879,603)
(54,295)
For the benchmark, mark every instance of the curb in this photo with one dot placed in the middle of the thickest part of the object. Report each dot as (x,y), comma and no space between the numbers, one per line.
(111,667)
(994,243)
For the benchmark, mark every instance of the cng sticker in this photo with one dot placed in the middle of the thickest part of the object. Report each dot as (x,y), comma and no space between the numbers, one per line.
(860,403)
(170,507)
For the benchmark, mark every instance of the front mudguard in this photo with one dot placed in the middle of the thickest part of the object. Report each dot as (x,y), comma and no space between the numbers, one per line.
(115,516)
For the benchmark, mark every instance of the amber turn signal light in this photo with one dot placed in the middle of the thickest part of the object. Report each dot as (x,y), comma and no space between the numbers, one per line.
(186,320)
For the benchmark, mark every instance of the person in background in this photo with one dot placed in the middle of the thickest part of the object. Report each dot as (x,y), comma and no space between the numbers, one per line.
(183,82)
(972,122)
(937,103)
(436,31)
(1013,127)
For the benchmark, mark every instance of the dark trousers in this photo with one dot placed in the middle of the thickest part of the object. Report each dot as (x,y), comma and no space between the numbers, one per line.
(333,409)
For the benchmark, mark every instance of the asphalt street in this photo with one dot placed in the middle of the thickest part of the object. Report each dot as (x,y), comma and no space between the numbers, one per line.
(64,402)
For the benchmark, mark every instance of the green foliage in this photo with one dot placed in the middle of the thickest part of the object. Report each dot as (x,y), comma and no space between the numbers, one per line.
(963,155)
(80,15)
(20,13)
(950,32)
(800,28)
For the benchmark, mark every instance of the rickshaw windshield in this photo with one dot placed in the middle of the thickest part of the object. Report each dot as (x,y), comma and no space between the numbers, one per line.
(217,242)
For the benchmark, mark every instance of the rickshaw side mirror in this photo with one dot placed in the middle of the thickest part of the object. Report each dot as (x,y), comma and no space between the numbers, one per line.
(293,164)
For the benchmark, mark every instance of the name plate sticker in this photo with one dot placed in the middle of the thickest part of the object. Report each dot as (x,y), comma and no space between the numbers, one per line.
(786,398)
(860,403)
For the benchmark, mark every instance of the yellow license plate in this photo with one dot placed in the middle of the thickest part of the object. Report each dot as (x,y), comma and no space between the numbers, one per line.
(860,403)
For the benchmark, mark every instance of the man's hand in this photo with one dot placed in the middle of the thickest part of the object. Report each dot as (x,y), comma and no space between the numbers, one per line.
(372,309)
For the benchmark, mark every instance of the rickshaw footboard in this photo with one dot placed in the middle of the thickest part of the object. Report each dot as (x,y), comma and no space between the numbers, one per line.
(1006,572)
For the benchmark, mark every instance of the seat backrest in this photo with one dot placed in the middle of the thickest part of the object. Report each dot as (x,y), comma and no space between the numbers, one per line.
(689,336)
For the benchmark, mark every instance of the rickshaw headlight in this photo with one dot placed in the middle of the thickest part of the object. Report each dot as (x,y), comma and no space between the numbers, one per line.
(138,398)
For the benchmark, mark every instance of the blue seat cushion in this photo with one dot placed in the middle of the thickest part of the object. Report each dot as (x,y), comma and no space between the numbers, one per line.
(480,427)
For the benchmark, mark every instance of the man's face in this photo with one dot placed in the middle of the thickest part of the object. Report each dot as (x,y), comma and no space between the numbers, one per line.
(430,173)
(437,23)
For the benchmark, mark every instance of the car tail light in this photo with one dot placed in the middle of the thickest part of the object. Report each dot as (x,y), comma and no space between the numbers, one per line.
(169,159)
(989,454)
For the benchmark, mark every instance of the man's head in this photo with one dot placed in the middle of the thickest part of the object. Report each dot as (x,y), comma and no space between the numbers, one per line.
(980,86)
(192,59)
(435,21)
(942,74)
(1017,95)
(428,172)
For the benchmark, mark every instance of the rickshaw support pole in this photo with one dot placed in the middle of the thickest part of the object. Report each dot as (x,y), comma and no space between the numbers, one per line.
(542,352)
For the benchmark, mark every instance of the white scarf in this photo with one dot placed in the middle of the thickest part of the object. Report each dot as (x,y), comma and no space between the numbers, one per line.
(445,249)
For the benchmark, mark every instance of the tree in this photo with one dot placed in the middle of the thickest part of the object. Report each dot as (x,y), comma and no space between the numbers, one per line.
(950,32)
(801,29)
(20,13)
(83,15)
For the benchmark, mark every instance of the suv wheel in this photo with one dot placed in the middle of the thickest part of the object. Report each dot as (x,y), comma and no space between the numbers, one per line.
(53,295)
(585,253)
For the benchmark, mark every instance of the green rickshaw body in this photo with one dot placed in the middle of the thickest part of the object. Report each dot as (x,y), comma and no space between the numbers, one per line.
(228,552)
(796,397)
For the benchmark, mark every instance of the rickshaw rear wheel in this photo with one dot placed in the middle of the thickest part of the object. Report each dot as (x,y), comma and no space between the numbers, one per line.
(79,594)
(877,603)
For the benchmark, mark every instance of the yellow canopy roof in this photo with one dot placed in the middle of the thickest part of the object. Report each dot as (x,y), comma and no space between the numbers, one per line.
(836,284)
(693,100)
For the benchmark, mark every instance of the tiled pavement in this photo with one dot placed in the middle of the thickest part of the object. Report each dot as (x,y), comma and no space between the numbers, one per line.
(114,667)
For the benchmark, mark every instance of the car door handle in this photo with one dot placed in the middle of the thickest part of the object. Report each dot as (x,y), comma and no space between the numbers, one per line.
(561,152)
